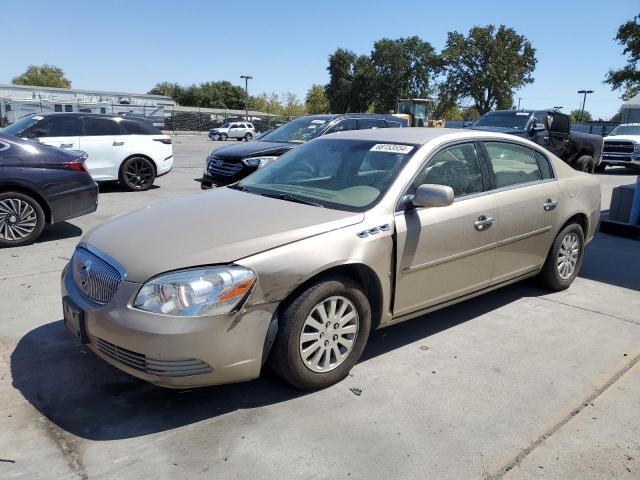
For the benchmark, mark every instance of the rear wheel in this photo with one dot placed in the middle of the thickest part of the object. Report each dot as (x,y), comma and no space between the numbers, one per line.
(248,136)
(585,164)
(321,334)
(137,174)
(21,219)
(564,259)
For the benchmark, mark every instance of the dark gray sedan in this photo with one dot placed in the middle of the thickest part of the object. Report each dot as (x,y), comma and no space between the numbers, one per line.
(40,185)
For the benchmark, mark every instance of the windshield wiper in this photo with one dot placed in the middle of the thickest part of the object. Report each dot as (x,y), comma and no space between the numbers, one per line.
(291,198)
(238,187)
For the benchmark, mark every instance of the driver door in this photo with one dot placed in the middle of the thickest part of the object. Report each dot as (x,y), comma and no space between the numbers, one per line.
(58,131)
(446,252)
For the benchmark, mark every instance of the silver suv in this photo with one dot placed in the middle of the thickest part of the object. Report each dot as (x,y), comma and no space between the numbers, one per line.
(238,130)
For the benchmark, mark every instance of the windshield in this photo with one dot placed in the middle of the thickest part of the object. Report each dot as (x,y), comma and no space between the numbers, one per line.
(299,130)
(625,130)
(347,175)
(516,120)
(16,129)
(224,125)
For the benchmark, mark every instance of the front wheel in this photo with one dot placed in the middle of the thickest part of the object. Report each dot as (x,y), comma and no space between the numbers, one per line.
(223,137)
(322,333)
(21,219)
(564,259)
(137,174)
(600,168)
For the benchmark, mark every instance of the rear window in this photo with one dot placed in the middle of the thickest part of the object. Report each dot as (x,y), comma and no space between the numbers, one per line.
(96,126)
(138,127)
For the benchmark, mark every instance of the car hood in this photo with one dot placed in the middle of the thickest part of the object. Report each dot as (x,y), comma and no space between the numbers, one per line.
(625,138)
(214,227)
(512,131)
(252,149)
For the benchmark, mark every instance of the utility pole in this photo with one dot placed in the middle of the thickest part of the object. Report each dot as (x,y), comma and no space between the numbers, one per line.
(519,98)
(584,100)
(246,95)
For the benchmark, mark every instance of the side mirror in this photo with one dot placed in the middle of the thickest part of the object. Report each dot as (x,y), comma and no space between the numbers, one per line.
(430,195)
(538,127)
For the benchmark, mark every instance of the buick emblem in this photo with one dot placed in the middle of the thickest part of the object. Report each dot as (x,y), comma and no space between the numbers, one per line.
(216,162)
(85,270)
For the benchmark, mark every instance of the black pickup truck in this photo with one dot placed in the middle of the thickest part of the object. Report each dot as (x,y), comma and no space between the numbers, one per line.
(552,130)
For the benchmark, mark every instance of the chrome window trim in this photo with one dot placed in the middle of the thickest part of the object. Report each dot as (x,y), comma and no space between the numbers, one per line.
(103,256)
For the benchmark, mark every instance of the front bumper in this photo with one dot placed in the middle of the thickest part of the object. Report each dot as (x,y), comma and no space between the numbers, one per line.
(632,159)
(172,351)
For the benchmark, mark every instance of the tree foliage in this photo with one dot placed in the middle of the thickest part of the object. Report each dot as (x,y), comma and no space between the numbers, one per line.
(316,100)
(578,117)
(487,65)
(221,94)
(43,76)
(628,77)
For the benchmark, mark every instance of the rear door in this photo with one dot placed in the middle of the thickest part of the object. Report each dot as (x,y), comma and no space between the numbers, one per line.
(527,195)
(59,131)
(559,128)
(236,130)
(106,146)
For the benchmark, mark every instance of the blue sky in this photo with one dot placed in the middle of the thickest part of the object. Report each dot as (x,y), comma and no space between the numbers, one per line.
(131,45)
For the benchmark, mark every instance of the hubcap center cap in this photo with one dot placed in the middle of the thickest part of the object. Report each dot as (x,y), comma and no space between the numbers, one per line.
(13,219)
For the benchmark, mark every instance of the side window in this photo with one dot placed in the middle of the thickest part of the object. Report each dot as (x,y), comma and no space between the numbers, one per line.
(392,124)
(457,166)
(96,126)
(545,166)
(367,123)
(249,125)
(344,125)
(512,164)
(60,127)
(133,128)
(541,117)
(233,125)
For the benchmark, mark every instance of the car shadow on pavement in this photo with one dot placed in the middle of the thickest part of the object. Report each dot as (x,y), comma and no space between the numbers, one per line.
(613,260)
(115,187)
(82,394)
(59,231)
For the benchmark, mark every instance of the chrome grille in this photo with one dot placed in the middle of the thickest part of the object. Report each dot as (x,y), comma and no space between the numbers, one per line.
(617,147)
(94,277)
(159,368)
(217,166)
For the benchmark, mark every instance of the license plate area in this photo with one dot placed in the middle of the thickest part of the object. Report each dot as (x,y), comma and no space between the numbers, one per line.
(74,319)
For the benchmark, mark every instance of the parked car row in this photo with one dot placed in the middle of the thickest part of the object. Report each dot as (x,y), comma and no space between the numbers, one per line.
(40,184)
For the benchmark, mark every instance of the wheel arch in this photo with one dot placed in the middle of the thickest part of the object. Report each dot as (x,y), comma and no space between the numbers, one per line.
(581,219)
(360,273)
(32,192)
(133,155)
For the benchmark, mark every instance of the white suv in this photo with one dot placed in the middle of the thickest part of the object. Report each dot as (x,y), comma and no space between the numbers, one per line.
(237,130)
(130,151)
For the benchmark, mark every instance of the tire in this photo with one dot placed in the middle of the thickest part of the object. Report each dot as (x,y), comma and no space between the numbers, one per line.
(248,137)
(600,168)
(137,174)
(302,314)
(585,164)
(550,277)
(22,219)
(223,137)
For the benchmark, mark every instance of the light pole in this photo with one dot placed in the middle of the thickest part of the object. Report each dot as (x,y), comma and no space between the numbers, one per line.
(519,98)
(246,94)
(557,109)
(584,100)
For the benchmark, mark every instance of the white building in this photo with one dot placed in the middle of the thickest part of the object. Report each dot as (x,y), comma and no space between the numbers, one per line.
(631,110)
(16,101)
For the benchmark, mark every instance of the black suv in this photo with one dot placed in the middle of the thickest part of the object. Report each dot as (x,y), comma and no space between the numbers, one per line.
(231,164)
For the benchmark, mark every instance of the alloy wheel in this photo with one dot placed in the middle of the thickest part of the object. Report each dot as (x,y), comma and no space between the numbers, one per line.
(18,219)
(568,255)
(139,174)
(329,334)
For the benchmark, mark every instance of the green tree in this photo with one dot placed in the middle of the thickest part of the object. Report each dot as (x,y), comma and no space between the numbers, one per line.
(292,105)
(405,68)
(470,114)
(617,117)
(628,77)
(339,88)
(487,65)
(578,117)
(451,113)
(221,94)
(168,89)
(43,76)
(316,100)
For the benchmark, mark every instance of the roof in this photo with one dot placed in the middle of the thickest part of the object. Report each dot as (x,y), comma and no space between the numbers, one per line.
(81,90)
(414,135)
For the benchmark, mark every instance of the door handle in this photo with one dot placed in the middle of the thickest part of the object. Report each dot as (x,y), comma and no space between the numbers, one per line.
(550,205)
(483,223)
(66,145)
(118,144)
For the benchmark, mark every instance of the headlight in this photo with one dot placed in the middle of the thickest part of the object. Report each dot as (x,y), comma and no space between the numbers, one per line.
(258,162)
(637,148)
(197,292)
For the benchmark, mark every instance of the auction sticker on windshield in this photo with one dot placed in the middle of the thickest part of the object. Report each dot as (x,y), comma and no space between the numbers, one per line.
(391,148)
